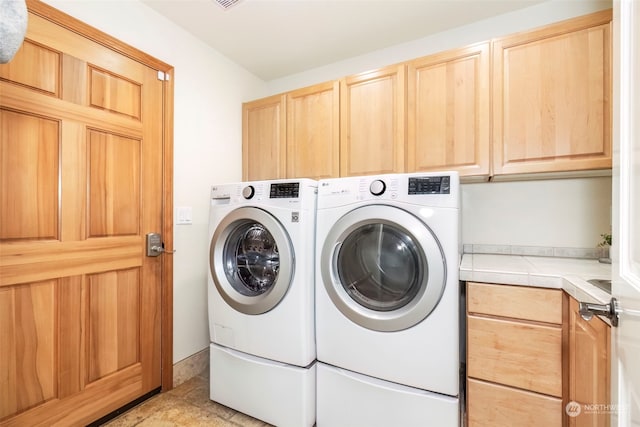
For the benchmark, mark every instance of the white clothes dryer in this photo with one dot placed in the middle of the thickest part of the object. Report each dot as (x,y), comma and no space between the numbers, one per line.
(387,299)
(261,299)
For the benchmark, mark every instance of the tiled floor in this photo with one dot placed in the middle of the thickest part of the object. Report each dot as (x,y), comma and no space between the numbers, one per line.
(186,405)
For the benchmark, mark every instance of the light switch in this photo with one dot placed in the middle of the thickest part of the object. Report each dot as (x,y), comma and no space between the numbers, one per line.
(183,215)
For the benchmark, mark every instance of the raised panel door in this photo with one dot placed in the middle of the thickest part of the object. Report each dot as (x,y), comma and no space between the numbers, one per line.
(448,112)
(313,132)
(552,98)
(81,157)
(264,133)
(372,122)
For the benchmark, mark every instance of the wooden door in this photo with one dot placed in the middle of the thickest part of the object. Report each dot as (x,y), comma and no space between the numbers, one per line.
(589,366)
(313,132)
(372,122)
(264,133)
(552,98)
(81,183)
(448,112)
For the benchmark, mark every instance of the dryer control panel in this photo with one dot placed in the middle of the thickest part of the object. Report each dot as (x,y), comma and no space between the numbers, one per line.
(430,185)
(433,189)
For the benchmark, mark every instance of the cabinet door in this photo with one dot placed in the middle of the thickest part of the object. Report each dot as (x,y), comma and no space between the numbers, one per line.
(313,132)
(551,98)
(514,353)
(448,112)
(495,405)
(589,363)
(372,116)
(264,138)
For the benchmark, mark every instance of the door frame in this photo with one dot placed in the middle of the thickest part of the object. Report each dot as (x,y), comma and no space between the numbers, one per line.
(66,21)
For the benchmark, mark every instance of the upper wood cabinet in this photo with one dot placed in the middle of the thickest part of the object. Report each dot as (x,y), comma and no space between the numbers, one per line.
(551,98)
(537,101)
(372,122)
(448,112)
(313,132)
(264,138)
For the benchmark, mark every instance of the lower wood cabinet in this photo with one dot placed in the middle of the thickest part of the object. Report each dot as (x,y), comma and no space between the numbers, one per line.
(589,369)
(515,366)
(532,360)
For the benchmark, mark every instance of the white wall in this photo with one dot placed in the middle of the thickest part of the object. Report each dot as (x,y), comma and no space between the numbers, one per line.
(553,213)
(209,90)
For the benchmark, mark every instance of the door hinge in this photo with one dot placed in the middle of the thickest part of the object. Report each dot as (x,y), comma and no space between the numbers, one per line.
(163,76)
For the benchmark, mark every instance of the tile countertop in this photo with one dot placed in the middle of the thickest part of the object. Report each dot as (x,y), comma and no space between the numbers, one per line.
(569,274)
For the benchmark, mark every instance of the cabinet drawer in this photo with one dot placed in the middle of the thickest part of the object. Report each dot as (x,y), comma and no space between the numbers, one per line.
(517,354)
(520,302)
(494,405)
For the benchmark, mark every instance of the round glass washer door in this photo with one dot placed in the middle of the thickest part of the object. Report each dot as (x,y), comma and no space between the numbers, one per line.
(251,260)
(383,268)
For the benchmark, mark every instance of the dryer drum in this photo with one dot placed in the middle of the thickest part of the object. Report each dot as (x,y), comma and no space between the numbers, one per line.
(382,267)
(379,267)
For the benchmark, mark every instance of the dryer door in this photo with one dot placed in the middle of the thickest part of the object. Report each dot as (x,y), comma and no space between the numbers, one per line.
(251,260)
(383,268)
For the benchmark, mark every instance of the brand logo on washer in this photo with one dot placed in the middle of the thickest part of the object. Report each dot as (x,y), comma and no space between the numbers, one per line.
(295,216)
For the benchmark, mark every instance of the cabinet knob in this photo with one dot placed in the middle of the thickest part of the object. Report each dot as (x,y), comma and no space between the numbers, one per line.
(611,311)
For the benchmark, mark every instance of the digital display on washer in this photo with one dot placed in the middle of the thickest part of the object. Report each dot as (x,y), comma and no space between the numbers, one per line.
(288,190)
(430,185)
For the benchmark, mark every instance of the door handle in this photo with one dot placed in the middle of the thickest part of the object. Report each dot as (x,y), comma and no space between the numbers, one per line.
(155,246)
(160,249)
(611,311)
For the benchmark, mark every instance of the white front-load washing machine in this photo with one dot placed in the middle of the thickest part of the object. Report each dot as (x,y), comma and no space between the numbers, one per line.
(261,299)
(387,300)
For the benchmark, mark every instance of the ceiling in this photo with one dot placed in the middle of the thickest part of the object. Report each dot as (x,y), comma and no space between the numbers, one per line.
(277,38)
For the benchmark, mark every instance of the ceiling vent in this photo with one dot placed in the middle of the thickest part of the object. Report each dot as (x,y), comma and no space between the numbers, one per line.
(227,4)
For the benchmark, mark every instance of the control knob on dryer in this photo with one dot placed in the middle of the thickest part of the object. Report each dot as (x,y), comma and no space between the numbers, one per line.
(248,192)
(377,187)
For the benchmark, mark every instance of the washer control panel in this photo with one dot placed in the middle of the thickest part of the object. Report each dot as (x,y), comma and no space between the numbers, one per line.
(285,190)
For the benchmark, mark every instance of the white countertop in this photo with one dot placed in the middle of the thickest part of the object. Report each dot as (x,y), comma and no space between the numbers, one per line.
(569,274)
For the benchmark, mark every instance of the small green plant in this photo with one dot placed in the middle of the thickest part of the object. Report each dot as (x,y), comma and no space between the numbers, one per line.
(606,240)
